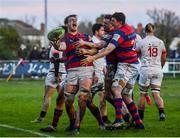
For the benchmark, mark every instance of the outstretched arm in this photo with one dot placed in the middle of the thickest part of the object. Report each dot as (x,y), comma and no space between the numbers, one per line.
(99,45)
(83,51)
(103,53)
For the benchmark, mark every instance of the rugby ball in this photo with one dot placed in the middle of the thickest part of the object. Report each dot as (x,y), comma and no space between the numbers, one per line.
(56,34)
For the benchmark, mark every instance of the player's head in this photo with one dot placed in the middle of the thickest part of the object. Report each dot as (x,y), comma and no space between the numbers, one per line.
(71,22)
(98,30)
(107,22)
(118,19)
(149,28)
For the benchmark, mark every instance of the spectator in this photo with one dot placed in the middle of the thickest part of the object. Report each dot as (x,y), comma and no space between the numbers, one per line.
(44,54)
(34,54)
(22,52)
(140,30)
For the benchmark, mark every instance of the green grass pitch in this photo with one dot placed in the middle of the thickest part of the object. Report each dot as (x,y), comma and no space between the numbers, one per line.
(20,102)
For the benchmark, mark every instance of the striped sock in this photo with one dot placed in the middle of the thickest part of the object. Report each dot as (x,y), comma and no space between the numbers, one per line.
(134,113)
(118,107)
(57,114)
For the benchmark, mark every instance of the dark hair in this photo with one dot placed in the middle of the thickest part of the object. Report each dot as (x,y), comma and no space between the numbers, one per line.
(119,16)
(149,28)
(66,19)
(96,27)
(107,16)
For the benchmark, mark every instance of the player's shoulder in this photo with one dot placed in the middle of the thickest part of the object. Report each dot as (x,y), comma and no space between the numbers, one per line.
(159,41)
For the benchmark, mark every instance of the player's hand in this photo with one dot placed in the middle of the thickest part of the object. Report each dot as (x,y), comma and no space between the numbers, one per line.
(81,51)
(79,43)
(55,44)
(87,60)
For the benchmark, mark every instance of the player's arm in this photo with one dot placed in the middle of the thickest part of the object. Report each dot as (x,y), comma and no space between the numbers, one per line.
(99,45)
(58,45)
(83,51)
(115,41)
(163,57)
(103,53)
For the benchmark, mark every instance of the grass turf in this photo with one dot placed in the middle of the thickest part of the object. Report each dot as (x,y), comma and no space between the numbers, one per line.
(20,102)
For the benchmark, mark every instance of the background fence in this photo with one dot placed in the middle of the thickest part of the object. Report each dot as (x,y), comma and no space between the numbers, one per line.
(36,69)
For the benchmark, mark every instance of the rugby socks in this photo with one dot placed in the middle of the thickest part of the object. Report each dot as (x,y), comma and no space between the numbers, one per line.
(141,114)
(134,113)
(104,118)
(95,111)
(110,101)
(118,108)
(43,114)
(126,117)
(161,110)
(57,114)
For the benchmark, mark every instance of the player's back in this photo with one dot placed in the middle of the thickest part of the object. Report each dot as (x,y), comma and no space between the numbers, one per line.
(151,49)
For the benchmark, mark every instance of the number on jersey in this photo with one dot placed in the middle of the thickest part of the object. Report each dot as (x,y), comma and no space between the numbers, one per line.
(153,51)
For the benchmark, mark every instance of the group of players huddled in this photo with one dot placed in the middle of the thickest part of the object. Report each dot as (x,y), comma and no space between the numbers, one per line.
(107,64)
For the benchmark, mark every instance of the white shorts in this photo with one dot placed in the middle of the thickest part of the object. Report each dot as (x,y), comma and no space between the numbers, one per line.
(126,72)
(74,75)
(51,81)
(98,86)
(148,77)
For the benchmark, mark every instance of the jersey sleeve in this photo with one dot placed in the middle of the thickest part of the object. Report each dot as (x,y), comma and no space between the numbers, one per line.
(138,47)
(163,47)
(51,51)
(118,38)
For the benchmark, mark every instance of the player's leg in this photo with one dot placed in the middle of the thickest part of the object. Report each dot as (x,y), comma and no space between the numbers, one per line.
(50,86)
(101,94)
(103,107)
(111,70)
(131,106)
(69,95)
(144,82)
(131,76)
(119,82)
(57,111)
(95,111)
(155,88)
(85,75)
(84,91)
(45,105)
(70,90)
(142,100)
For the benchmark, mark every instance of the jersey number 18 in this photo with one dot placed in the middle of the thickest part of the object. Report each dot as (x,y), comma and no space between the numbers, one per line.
(153,51)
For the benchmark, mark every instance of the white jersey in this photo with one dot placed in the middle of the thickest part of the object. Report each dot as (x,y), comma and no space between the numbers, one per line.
(151,49)
(100,63)
(138,38)
(61,65)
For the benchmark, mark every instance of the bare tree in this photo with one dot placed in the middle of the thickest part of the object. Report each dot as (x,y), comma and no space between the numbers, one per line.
(167,24)
(30,19)
(85,27)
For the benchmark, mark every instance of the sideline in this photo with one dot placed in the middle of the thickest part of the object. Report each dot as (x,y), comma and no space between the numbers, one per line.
(25,130)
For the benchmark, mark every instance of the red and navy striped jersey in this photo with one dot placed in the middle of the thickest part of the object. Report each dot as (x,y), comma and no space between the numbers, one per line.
(111,58)
(73,59)
(124,40)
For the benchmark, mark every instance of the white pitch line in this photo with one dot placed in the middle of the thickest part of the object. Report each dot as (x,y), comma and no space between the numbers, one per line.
(24,130)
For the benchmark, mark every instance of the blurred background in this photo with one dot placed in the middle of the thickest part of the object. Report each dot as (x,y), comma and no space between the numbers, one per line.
(24,25)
